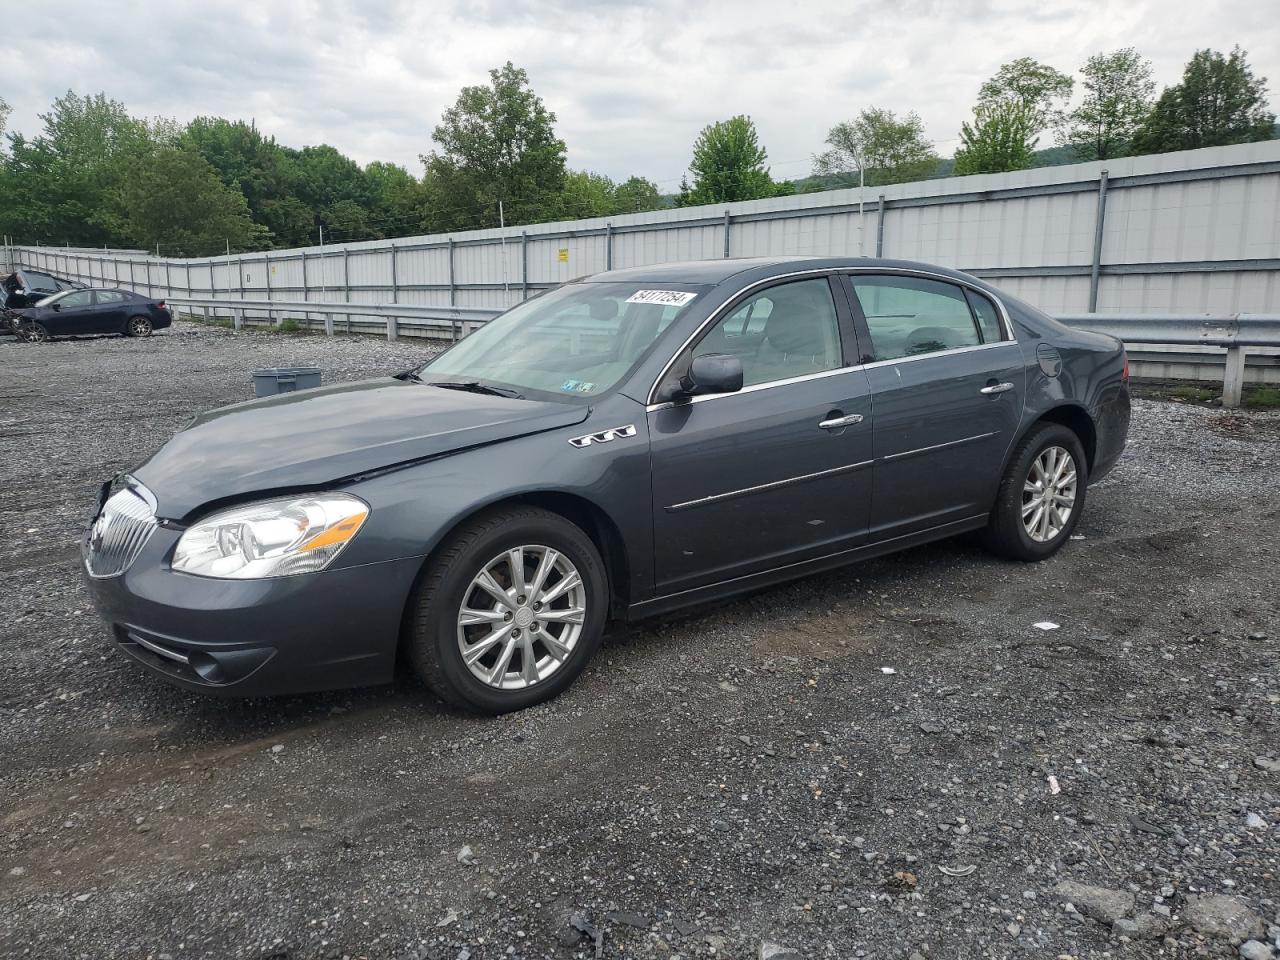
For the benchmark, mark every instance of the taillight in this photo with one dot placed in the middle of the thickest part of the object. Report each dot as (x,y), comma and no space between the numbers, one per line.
(1126,367)
(1124,374)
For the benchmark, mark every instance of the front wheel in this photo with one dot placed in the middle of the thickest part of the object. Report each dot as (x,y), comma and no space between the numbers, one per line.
(139,327)
(509,611)
(1041,496)
(33,332)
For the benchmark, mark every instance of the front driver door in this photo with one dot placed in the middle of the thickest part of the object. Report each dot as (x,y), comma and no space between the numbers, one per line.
(948,383)
(74,315)
(774,474)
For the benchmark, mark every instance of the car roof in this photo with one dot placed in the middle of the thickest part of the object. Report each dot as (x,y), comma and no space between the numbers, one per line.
(751,269)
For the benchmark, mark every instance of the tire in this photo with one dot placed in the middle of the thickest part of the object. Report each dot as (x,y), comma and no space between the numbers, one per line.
(436,637)
(1045,528)
(138,326)
(33,332)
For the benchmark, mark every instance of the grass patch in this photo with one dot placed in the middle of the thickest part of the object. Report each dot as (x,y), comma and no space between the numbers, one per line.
(289,325)
(1261,398)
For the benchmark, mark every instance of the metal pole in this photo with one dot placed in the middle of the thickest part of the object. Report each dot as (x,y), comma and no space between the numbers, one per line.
(452,303)
(131,282)
(608,246)
(150,293)
(392,331)
(306,290)
(346,284)
(726,234)
(1099,222)
(880,229)
(861,185)
(266,266)
(524,265)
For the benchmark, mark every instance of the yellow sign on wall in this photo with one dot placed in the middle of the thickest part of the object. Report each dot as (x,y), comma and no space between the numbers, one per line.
(564,254)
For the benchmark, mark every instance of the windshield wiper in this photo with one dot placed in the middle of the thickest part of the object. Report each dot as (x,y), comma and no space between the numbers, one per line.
(475,386)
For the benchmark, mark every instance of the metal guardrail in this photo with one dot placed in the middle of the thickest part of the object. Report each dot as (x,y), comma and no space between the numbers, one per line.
(1234,333)
(456,322)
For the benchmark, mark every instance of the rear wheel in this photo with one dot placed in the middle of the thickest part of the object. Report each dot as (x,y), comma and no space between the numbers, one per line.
(1041,496)
(139,327)
(509,611)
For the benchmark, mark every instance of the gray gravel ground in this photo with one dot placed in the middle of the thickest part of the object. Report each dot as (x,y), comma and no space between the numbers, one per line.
(739,782)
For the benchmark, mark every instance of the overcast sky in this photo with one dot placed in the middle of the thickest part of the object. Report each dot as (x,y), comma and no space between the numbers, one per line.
(631,85)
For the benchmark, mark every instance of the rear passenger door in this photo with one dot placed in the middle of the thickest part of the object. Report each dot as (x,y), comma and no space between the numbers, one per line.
(947,383)
(109,311)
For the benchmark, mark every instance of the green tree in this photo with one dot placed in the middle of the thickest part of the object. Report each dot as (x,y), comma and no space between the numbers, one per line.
(497,146)
(67,183)
(1118,89)
(397,199)
(881,146)
(1026,82)
(1218,102)
(637,195)
(263,170)
(728,164)
(587,195)
(1002,137)
(175,198)
(4,119)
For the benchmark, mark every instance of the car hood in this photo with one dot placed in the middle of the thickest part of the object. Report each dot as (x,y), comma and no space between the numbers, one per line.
(314,437)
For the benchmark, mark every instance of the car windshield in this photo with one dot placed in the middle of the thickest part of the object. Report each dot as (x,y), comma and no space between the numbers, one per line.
(577,340)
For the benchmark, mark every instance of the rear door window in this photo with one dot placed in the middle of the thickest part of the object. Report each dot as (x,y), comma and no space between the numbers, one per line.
(110,296)
(911,316)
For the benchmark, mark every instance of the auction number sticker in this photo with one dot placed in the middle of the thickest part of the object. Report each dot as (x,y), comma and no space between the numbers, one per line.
(667,298)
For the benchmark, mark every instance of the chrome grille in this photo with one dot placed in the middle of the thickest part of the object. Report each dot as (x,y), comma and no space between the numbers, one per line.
(119,532)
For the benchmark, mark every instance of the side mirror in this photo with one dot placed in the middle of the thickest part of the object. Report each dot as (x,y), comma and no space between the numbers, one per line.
(712,373)
(56,306)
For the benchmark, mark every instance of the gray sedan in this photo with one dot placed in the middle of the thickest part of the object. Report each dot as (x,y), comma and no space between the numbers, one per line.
(623,445)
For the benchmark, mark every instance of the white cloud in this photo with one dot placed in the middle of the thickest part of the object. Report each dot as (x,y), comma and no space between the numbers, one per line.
(631,84)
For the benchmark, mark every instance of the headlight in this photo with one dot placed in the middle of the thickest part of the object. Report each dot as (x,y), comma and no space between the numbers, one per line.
(275,538)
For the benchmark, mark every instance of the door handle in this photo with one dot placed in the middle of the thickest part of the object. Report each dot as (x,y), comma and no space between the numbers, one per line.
(838,422)
(996,388)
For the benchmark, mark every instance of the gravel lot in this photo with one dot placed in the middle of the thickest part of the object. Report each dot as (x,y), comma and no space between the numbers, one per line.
(741,782)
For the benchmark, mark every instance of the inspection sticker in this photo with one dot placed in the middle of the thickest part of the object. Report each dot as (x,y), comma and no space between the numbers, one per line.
(667,298)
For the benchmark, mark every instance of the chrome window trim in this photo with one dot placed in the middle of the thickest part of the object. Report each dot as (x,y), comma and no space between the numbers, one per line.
(770,384)
(773,485)
(716,315)
(940,353)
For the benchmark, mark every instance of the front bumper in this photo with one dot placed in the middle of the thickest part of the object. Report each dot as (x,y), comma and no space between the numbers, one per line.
(319,631)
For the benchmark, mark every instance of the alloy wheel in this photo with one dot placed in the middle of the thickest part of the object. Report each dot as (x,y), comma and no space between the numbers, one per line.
(34,333)
(1049,494)
(521,617)
(139,327)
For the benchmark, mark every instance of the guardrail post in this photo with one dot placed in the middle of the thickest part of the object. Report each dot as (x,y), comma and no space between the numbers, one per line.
(1233,377)
(239,318)
(880,228)
(1098,224)
(608,246)
(726,234)
(524,265)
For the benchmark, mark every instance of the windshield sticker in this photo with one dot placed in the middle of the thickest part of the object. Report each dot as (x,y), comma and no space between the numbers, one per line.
(666,298)
(577,386)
